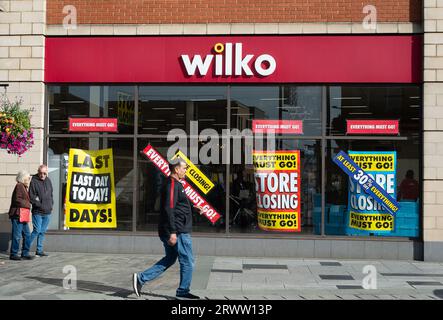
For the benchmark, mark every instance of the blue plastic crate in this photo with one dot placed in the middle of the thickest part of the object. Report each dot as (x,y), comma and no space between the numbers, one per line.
(407,209)
(317,200)
(336,214)
(406,222)
(405,232)
(335,229)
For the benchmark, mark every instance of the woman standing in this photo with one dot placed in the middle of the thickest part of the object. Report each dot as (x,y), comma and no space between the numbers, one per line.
(20,199)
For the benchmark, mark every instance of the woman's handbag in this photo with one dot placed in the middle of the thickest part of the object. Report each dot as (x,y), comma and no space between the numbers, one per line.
(25,215)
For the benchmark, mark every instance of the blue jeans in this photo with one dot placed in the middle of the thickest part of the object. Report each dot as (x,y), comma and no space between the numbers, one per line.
(181,250)
(20,229)
(40,223)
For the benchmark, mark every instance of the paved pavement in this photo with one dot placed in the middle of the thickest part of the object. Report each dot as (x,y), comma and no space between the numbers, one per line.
(108,276)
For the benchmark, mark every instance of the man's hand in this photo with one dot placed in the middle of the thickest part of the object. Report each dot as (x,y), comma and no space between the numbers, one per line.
(172,239)
(199,209)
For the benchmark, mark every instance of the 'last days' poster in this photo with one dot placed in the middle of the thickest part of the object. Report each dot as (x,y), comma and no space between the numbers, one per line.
(90,193)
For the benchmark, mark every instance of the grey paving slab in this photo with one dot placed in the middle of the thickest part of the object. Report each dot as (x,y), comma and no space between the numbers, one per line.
(404,297)
(348,296)
(349,287)
(262,286)
(215,297)
(368,297)
(311,297)
(233,286)
(223,277)
(292,297)
(236,297)
(385,297)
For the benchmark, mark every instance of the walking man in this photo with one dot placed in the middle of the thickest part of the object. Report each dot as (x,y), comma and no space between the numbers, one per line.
(174,230)
(40,192)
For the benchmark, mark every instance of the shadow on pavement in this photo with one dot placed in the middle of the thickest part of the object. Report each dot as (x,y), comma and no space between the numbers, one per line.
(89,286)
(438,293)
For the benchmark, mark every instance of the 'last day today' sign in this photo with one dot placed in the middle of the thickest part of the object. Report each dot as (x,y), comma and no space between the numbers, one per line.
(90,193)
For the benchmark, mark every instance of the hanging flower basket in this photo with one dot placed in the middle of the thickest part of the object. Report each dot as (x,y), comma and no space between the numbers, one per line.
(16,134)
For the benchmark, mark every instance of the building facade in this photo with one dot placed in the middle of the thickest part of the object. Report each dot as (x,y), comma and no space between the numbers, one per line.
(219,67)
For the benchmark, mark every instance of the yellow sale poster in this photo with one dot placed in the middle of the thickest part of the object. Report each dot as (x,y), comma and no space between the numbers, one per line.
(277,184)
(90,192)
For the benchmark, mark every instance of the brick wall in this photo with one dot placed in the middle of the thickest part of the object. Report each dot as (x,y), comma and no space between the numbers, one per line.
(231,11)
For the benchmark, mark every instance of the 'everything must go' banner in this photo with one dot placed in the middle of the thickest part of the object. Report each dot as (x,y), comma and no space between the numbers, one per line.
(90,192)
(365,213)
(197,200)
(277,183)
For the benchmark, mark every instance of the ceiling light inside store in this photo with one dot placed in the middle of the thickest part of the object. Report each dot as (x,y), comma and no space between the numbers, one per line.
(206,119)
(346,98)
(155,120)
(72,101)
(150,128)
(360,113)
(349,107)
(163,108)
(414,106)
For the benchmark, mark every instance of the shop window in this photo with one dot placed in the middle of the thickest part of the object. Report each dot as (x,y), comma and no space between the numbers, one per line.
(163,108)
(346,103)
(351,211)
(284,203)
(151,180)
(69,101)
(299,104)
(58,156)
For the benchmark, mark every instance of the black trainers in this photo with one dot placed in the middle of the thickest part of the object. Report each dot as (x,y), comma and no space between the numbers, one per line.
(41,254)
(28,257)
(136,285)
(187,296)
(17,258)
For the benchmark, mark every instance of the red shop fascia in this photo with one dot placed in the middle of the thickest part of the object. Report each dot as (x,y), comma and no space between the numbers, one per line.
(303,59)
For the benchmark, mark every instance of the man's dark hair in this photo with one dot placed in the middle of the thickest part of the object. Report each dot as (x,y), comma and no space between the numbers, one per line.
(410,174)
(176,163)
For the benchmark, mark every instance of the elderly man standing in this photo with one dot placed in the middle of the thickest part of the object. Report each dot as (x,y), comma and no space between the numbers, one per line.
(40,192)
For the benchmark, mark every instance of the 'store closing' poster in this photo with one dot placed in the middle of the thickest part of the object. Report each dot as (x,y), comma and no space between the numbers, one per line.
(90,192)
(365,213)
(277,184)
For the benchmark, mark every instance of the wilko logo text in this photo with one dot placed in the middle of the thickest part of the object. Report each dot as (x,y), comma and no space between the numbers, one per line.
(229,60)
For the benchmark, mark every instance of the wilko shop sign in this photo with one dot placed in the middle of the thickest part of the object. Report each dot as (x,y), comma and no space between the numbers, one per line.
(372,127)
(227,62)
(277,126)
(93,125)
